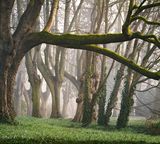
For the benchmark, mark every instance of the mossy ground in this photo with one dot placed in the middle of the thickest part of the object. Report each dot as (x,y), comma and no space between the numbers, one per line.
(59,131)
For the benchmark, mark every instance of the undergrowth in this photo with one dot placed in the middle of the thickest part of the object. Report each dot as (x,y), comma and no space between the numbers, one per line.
(59,131)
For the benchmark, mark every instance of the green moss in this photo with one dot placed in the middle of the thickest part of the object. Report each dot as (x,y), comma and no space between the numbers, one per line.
(129,31)
(75,39)
(135,6)
(80,42)
(123,60)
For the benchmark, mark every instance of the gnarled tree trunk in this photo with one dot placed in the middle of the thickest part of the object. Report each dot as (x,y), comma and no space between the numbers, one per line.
(6,113)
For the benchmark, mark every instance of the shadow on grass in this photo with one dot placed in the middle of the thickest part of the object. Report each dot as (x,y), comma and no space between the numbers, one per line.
(58,141)
(137,129)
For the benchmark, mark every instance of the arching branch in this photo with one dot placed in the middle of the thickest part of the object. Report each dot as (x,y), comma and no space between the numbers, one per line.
(121,59)
(83,41)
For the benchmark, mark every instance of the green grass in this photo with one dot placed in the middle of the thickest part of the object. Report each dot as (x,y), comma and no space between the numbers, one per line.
(59,131)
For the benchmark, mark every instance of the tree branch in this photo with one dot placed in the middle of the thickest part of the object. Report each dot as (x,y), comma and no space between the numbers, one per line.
(145,20)
(81,42)
(35,39)
(72,39)
(52,16)
(28,19)
(126,25)
(148,6)
(121,59)
(5,13)
(75,82)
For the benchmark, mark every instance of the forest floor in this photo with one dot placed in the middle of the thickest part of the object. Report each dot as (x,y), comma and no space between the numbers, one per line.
(59,131)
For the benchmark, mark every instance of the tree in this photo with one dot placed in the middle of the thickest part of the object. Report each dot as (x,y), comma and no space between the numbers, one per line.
(13,46)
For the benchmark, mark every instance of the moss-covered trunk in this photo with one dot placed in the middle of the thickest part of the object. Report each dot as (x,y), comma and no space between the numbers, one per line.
(127,101)
(101,104)
(102,93)
(114,95)
(87,112)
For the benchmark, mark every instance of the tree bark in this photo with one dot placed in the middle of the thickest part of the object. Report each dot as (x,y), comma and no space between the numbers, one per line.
(127,102)
(79,110)
(35,82)
(87,112)
(114,95)
(5,114)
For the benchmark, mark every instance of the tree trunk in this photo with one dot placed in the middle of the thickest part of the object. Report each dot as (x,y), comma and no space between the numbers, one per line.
(66,97)
(36,98)
(18,93)
(114,95)
(5,114)
(8,69)
(102,94)
(9,56)
(80,62)
(50,80)
(87,112)
(101,104)
(57,89)
(11,81)
(79,101)
(127,102)
(44,97)
(118,80)
(78,115)
(7,79)
(28,99)
(35,82)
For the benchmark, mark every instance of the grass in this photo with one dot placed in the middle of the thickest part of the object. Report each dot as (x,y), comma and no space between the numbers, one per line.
(58,131)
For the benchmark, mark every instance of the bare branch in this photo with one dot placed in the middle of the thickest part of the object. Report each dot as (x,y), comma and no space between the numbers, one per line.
(52,16)
(140,9)
(145,20)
